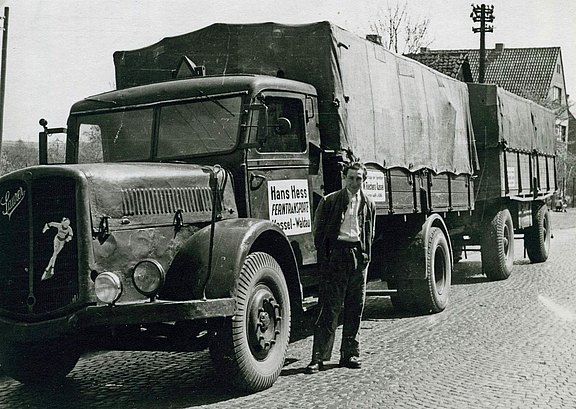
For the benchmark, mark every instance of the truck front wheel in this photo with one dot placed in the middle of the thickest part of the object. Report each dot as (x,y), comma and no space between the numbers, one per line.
(40,363)
(497,249)
(537,237)
(251,347)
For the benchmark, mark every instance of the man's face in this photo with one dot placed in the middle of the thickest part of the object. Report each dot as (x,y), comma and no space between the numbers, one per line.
(354,179)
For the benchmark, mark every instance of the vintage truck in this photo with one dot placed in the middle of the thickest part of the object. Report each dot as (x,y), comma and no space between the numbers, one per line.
(181,216)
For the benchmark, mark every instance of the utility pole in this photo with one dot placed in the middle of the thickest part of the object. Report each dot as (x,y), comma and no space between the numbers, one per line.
(4,25)
(482,14)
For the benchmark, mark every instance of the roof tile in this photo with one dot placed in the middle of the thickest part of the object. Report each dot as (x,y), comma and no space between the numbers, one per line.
(524,71)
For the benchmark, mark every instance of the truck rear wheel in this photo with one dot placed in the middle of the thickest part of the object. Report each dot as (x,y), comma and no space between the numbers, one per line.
(432,294)
(497,249)
(251,348)
(42,363)
(537,237)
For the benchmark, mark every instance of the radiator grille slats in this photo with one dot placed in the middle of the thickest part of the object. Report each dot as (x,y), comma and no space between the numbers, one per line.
(154,201)
(47,200)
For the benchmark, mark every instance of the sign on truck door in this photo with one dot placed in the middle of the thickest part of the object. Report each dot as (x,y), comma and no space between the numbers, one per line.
(277,172)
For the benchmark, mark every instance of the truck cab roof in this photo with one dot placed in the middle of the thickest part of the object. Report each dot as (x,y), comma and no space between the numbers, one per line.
(191,88)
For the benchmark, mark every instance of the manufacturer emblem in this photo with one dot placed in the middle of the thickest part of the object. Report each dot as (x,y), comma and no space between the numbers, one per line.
(63,235)
(11,201)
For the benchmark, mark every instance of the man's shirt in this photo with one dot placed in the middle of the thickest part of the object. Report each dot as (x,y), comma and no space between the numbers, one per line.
(349,228)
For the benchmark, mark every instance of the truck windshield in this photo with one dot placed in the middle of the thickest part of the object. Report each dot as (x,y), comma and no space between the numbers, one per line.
(194,128)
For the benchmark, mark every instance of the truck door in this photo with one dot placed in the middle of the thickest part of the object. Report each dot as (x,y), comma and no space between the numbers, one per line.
(278,185)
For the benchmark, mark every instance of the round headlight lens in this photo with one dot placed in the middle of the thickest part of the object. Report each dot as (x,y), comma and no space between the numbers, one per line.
(108,287)
(148,277)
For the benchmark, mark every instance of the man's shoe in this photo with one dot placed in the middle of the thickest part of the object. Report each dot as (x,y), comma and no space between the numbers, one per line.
(352,362)
(314,367)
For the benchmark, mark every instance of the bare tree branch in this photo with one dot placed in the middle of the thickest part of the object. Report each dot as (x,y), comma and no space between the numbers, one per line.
(397,30)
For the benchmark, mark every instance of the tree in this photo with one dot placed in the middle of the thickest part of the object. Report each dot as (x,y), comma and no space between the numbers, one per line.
(398,31)
(90,144)
(17,155)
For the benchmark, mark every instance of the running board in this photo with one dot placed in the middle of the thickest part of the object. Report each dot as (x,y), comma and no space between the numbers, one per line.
(311,301)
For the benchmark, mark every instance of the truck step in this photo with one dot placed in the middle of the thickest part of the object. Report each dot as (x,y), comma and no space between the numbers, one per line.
(309,302)
(380,293)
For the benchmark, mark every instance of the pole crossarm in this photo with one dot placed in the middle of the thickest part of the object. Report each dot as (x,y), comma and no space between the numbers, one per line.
(482,14)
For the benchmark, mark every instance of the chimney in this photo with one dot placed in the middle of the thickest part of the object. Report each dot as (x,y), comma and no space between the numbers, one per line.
(499,46)
(375,38)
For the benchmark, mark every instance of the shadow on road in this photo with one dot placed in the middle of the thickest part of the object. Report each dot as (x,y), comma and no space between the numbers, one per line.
(126,380)
(468,272)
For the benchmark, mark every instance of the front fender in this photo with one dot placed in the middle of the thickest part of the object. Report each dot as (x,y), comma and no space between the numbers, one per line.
(188,276)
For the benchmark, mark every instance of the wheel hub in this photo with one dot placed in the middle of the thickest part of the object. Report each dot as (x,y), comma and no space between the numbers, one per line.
(264,321)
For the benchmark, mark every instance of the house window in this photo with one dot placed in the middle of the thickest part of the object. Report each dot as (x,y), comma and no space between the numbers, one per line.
(561,133)
(557,94)
(558,68)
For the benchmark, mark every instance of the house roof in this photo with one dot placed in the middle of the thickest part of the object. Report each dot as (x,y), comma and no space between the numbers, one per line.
(524,71)
(454,64)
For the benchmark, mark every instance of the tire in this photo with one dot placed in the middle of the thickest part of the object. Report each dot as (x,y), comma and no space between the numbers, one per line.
(432,294)
(435,290)
(46,363)
(497,249)
(251,347)
(537,237)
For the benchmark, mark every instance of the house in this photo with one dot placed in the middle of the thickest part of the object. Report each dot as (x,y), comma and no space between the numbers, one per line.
(571,133)
(535,73)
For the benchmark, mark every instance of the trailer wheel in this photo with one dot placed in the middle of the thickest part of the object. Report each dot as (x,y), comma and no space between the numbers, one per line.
(251,347)
(42,363)
(497,249)
(432,294)
(537,237)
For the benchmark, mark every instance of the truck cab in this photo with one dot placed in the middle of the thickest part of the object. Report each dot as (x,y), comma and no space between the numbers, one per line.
(179,195)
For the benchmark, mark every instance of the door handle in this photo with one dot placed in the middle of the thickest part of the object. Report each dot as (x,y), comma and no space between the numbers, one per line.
(256,180)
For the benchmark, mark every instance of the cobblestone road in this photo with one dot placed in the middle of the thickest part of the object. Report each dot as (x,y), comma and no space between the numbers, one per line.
(509,344)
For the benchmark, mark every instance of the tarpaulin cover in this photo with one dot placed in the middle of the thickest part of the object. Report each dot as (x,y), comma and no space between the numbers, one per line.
(500,116)
(385,108)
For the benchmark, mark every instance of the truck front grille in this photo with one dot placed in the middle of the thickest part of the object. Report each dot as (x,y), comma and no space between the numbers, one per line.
(33,240)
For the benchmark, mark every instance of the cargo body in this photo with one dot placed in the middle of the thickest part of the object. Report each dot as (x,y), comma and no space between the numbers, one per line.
(182,216)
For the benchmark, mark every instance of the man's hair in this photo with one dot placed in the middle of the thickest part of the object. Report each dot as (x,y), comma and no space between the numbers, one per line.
(356,166)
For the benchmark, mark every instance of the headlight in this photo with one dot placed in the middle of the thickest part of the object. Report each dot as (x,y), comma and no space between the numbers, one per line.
(148,277)
(108,287)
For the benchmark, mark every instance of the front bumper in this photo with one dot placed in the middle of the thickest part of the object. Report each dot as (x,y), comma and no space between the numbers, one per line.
(110,316)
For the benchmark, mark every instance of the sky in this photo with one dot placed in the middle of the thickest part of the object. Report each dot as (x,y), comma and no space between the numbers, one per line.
(60,51)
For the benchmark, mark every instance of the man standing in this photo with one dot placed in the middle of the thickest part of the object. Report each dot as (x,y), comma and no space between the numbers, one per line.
(343,234)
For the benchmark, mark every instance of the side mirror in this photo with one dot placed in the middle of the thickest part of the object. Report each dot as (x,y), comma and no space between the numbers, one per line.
(43,141)
(283,126)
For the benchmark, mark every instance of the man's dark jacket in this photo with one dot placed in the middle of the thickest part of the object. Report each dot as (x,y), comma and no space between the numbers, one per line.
(329,216)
